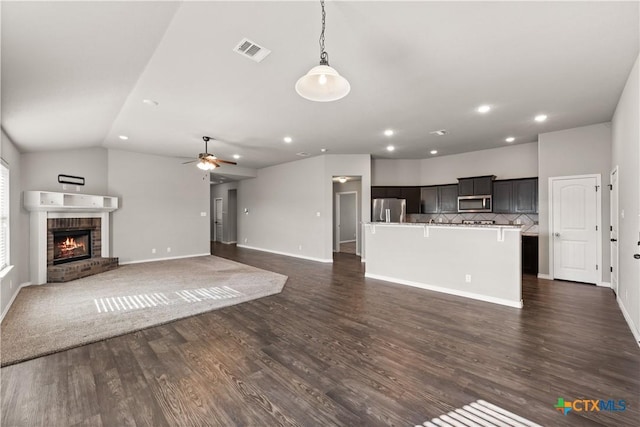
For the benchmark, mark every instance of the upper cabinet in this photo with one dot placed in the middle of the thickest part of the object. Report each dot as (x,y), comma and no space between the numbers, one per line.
(410,194)
(439,199)
(475,186)
(515,196)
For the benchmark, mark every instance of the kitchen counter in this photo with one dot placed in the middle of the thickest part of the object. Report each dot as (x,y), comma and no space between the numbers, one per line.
(475,261)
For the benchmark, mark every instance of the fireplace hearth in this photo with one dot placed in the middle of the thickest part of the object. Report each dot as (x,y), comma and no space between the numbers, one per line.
(72,245)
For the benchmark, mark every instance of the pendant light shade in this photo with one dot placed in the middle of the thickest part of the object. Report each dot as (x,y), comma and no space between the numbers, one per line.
(322,83)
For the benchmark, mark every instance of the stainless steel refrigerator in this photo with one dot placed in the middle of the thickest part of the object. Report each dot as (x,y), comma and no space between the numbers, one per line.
(389,210)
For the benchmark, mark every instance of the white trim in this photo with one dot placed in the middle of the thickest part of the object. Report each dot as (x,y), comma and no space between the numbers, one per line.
(604,284)
(450,291)
(598,177)
(634,331)
(163,259)
(286,254)
(337,215)
(230,243)
(13,298)
(545,276)
(347,241)
(217,200)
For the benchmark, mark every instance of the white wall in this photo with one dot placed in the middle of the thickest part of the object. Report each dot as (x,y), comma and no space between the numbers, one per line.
(513,161)
(40,170)
(578,151)
(18,227)
(160,205)
(626,154)
(229,213)
(291,205)
(283,204)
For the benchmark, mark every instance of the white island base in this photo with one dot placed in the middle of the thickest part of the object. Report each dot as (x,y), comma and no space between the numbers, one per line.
(479,262)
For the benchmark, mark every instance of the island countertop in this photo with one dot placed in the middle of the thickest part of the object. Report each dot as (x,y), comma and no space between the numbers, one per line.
(470,260)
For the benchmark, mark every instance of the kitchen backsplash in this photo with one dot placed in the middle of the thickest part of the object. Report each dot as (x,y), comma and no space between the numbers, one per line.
(529,221)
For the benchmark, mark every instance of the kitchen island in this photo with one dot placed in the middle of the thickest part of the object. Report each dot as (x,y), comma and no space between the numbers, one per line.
(475,261)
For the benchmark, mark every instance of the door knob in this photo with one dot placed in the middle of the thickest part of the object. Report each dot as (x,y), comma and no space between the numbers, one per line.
(557,234)
(614,240)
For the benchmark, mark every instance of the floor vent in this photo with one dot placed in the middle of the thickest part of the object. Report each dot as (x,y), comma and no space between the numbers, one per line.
(480,413)
(251,50)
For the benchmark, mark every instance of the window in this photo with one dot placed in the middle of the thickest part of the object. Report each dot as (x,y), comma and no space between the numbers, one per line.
(4,215)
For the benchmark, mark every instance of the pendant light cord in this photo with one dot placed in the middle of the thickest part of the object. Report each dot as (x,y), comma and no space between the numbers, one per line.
(324,56)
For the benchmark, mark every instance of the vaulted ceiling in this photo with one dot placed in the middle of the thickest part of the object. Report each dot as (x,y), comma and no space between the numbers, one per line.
(75,74)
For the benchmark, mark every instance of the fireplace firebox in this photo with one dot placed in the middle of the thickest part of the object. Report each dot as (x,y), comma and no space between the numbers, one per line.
(72,245)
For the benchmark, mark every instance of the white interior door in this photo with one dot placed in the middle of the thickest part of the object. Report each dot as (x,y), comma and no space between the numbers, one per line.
(574,230)
(218,220)
(613,179)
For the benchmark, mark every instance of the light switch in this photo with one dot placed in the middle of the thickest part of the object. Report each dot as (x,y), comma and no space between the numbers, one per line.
(317,213)
(203,214)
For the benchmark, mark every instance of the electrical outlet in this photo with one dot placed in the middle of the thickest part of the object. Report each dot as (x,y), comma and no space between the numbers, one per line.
(518,221)
(246,240)
(64,186)
(467,278)
(299,247)
(168,250)
(153,250)
(439,219)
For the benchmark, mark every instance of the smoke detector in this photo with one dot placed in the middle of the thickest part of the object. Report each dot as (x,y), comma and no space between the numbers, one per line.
(439,132)
(251,50)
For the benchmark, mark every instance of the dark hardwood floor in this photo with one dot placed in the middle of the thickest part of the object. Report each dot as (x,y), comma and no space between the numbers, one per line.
(335,348)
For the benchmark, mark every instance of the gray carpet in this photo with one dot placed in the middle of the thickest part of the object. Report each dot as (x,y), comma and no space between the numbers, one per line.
(54,317)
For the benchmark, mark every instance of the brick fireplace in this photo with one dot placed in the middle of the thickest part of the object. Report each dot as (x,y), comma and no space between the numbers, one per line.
(69,235)
(74,264)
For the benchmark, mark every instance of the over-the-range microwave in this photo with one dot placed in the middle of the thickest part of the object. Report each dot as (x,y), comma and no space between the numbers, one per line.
(474,203)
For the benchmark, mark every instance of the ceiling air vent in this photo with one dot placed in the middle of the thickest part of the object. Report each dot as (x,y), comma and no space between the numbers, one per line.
(439,132)
(249,49)
(302,154)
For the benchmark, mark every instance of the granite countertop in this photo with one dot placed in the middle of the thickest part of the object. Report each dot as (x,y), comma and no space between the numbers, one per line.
(445,224)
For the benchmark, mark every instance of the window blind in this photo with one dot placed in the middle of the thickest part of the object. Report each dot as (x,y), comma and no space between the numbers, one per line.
(4,214)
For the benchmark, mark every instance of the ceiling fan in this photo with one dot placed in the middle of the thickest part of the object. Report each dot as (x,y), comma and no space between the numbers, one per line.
(207,161)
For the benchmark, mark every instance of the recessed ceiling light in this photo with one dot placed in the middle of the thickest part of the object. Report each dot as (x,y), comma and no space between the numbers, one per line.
(123,137)
(484,109)
(288,139)
(390,148)
(510,139)
(236,156)
(150,102)
(540,118)
(323,150)
(434,151)
(388,132)
(439,132)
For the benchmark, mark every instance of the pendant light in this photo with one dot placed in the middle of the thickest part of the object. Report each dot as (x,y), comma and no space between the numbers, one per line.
(322,83)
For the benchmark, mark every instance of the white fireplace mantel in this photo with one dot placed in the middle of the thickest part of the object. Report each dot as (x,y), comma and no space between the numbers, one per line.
(45,204)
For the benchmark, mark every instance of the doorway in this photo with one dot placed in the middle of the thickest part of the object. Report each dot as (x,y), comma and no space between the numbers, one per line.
(347,222)
(217,220)
(613,230)
(575,229)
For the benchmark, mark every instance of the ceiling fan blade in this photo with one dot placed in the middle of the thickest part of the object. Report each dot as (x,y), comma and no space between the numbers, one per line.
(190,161)
(226,161)
(215,162)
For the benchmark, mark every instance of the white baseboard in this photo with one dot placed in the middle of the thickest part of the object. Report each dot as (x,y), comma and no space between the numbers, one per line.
(229,243)
(13,298)
(544,276)
(444,290)
(162,259)
(634,331)
(286,254)
(604,284)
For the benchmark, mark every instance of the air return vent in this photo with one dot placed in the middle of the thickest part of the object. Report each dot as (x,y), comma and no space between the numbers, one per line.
(302,154)
(250,50)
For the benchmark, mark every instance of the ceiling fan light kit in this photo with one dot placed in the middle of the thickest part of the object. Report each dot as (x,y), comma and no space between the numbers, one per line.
(207,161)
(322,83)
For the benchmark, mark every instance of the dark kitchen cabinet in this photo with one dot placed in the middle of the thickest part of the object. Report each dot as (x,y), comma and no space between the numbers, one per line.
(525,195)
(476,186)
(412,196)
(448,198)
(502,196)
(515,196)
(530,255)
(429,200)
